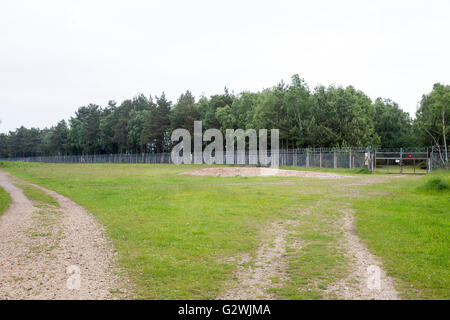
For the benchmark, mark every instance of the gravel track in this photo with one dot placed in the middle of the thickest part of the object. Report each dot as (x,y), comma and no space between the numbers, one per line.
(367,279)
(44,251)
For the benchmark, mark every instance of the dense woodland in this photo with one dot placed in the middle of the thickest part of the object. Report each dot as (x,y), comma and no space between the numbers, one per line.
(320,117)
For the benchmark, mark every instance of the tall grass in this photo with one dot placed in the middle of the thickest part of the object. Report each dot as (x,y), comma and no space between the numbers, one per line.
(435,185)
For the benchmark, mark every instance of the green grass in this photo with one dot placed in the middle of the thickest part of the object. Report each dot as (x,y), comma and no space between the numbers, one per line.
(5,200)
(317,260)
(174,233)
(409,227)
(346,171)
(436,185)
(396,169)
(39,198)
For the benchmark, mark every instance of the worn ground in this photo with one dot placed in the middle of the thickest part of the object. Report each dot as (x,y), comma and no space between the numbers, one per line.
(254,276)
(364,266)
(259,277)
(261,172)
(45,249)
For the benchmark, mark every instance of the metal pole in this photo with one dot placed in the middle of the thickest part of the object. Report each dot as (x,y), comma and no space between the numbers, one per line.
(431,159)
(350,160)
(320,158)
(401,160)
(334,160)
(307,158)
(374,163)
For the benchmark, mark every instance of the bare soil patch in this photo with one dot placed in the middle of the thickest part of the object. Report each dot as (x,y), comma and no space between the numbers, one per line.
(261,172)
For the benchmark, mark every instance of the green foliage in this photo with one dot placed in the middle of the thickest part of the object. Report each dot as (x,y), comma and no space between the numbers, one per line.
(433,116)
(184,113)
(88,128)
(344,118)
(324,117)
(209,108)
(393,126)
(435,184)
(156,125)
(363,171)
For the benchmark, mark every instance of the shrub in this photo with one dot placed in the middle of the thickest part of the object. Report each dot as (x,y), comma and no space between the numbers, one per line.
(436,184)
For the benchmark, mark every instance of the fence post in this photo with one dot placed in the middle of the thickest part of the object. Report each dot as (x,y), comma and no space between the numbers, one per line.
(431,159)
(307,158)
(334,160)
(401,160)
(374,163)
(350,160)
(320,158)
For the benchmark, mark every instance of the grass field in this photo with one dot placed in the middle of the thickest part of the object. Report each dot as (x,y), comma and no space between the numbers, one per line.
(409,226)
(5,200)
(180,236)
(39,198)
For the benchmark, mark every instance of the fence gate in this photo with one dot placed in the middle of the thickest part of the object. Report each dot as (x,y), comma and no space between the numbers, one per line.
(404,161)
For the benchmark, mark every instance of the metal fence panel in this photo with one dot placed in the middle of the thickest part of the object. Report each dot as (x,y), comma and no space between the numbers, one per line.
(310,157)
(323,157)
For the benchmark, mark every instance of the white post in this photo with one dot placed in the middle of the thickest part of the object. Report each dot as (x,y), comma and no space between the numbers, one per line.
(334,160)
(350,160)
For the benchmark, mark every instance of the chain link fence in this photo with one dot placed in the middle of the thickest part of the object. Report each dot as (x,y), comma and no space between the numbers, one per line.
(313,157)
(309,157)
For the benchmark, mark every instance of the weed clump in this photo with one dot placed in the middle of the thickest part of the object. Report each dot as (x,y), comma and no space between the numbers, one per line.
(363,171)
(436,184)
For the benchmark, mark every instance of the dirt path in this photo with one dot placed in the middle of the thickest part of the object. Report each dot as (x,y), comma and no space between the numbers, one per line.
(254,276)
(53,253)
(367,279)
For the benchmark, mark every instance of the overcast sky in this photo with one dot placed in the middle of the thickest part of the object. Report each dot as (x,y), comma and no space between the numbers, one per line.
(58,55)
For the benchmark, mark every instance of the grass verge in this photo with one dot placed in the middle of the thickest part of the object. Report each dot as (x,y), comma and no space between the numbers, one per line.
(39,198)
(409,227)
(5,200)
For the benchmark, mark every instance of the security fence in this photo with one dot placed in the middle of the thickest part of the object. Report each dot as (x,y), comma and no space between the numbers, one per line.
(389,160)
(324,157)
(311,157)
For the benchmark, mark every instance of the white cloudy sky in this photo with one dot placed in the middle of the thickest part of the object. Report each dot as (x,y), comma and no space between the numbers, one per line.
(58,55)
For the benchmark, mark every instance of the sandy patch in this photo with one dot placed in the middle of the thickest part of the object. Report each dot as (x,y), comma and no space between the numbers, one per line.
(261,172)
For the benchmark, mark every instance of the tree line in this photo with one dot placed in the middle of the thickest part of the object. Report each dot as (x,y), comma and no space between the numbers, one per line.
(321,117)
